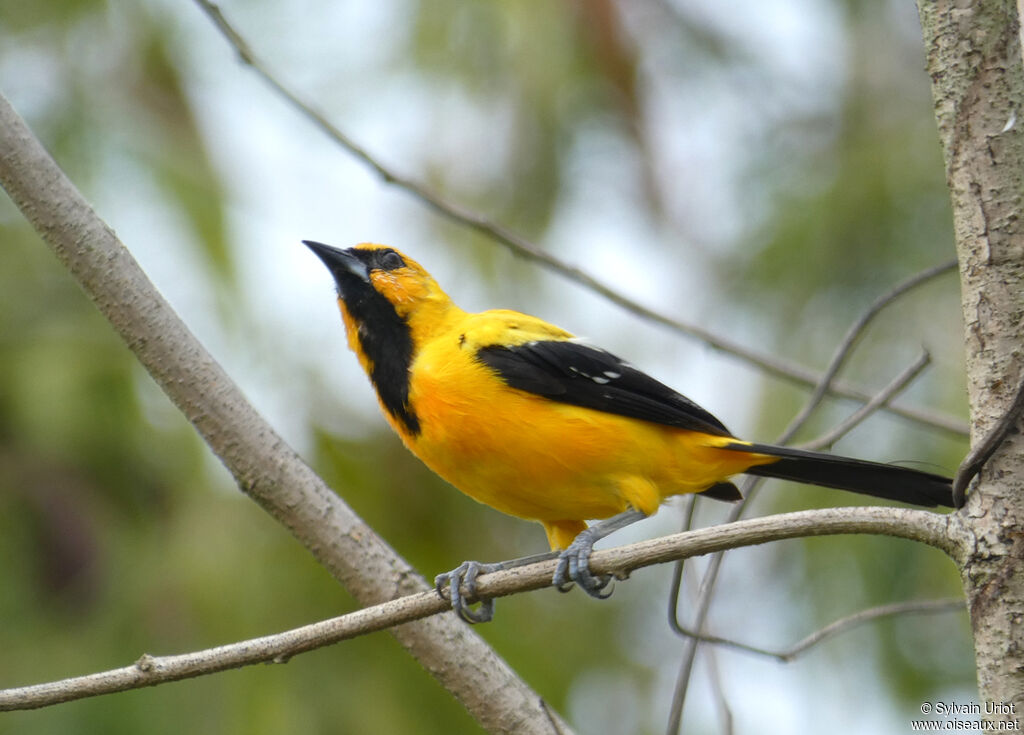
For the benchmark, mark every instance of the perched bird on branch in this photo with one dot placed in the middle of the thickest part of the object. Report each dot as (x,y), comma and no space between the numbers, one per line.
(525,417)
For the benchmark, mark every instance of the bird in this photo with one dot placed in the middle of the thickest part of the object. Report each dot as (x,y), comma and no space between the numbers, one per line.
(529,419)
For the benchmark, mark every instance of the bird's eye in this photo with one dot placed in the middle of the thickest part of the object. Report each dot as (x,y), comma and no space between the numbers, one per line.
(389,260)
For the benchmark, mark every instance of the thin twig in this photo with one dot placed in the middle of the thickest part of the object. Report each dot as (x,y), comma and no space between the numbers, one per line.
(907,607)
(677,570)
(840,355)
(675,714)
(916,525)
(898,384)
(704,596)
(983,450)
(857,330)
(718,692)
(750,485)
(695,633)
(833,629)
(522,247)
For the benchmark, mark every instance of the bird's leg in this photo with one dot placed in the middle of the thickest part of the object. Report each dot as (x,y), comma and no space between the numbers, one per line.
(461,583)
(574,562)
(573,566)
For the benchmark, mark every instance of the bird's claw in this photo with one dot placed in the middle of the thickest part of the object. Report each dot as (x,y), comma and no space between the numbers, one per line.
(464,577)
(574,566)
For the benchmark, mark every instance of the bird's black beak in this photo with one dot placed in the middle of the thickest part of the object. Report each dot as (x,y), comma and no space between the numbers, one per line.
(343,264)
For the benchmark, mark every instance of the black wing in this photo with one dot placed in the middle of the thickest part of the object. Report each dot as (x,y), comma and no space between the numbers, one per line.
(587,376)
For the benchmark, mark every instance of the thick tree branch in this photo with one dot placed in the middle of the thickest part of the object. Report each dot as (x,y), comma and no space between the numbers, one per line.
(264,466)
(974,60)
(769,364)
(916,525)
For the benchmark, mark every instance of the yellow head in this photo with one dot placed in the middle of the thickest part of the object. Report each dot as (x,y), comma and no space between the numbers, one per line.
(389,303)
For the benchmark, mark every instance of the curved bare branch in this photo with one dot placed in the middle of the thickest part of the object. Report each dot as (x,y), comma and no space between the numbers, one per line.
(917,525)
(836,627)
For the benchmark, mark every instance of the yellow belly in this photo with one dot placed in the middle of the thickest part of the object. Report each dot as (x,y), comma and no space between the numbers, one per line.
(538,459)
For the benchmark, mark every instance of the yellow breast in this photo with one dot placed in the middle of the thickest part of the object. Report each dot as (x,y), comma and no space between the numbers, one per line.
(535,458)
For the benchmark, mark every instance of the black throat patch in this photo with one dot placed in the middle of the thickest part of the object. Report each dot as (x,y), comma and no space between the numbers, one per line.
(386,340)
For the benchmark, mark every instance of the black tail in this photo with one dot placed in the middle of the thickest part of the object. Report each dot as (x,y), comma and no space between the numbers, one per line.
(856,475)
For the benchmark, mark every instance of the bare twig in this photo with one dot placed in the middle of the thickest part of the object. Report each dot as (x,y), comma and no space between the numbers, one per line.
(151,670)
(840,355)
(718,692)
(704,596)
(676,586)
(264,466)
(714,567)
(522,247)
(917,525)
(899,383)
(711,659)
(857,330)
(984,449)
(786,655)
(675,714)
(909,607)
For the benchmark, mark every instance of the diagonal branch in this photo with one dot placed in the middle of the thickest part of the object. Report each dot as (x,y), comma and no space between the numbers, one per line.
(263,465)
(857,330)
(895,386)
(522,247)
(917,525)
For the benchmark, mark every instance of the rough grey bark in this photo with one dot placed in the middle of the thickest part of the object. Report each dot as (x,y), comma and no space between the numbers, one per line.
(974,59)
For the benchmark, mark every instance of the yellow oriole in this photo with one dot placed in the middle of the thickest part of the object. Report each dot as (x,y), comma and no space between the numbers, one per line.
(526,418)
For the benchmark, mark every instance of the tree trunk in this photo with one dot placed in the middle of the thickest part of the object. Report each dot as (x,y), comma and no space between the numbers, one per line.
(974,59)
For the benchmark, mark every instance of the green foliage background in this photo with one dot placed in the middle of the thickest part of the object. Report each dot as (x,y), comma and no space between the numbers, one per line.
(119,534)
